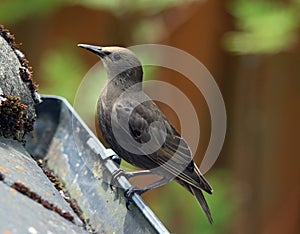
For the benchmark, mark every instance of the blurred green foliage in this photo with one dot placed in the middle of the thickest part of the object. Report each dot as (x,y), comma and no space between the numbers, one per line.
(14,10)
(61,71)
(121,6)
(262,26)
(176,202)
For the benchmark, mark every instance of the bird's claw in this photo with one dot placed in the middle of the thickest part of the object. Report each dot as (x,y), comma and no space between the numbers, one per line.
(128,193)
(117,173)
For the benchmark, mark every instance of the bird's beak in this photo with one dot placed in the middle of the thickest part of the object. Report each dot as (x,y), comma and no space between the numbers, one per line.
(94,49)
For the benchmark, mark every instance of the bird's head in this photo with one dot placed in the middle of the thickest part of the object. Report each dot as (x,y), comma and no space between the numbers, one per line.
(117,61)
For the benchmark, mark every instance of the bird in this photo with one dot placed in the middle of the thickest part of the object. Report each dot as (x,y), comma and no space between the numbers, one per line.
(137,131)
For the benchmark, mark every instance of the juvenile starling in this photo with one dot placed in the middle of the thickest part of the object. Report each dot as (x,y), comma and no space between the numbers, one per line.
(134,127)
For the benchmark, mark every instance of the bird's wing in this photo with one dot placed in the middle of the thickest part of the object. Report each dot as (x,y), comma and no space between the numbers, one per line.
(162,144)
(178,161)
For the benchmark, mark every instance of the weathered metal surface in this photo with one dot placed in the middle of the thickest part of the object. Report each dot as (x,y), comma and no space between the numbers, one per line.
(84,166)
(21,213)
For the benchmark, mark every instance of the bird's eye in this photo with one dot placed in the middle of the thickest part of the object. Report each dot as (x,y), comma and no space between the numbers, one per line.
(117,57)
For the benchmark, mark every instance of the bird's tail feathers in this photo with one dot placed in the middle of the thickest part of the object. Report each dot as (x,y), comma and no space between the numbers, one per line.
(204,184)
(201,199)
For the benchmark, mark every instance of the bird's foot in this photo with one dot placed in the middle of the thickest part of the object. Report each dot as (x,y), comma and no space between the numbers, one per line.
(115,175)
(119,172)
(128,193)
